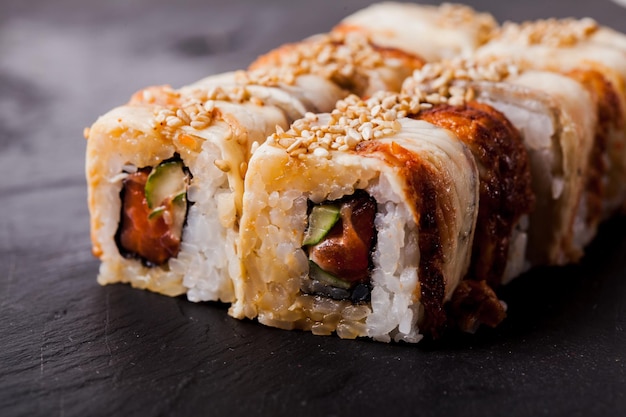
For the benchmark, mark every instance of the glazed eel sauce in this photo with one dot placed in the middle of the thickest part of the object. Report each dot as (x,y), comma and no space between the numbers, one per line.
(505,195)
(426,189)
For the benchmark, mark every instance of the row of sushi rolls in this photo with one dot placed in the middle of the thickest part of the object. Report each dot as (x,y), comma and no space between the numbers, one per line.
(381,180)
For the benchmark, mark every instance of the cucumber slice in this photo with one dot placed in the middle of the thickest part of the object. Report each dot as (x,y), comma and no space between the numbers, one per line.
(317,273)
(168,181)
(156,212)
(321,220)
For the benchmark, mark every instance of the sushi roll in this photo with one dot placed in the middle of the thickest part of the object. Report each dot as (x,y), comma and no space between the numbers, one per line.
(506,199)
(596,57)
(358,222)
(165,179)
(296,95)
(506,195)
(351,61)
(557,118)
(432,32)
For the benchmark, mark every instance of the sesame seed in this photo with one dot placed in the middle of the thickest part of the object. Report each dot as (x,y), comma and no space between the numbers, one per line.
(295,144)
(173,121)
(450,81)
(195,108)
(388,102)
(321,152)
(551,32)
(199,124)
(456,101)
(391,114)
(351,122)
(298,151)
(354,134)
(332,56)
(182,115)
(366,130)
(286,142)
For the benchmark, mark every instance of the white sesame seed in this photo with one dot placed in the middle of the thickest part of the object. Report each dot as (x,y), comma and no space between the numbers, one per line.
(209,105)
(199,124)
(321,152)
(388,102)
(552,32)
(391,114)
(173,121)
(456,101)
(295,144)
(366,130)
(298,151)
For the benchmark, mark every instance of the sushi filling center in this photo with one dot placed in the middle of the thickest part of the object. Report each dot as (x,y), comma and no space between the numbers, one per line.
(153,213)
(339,241)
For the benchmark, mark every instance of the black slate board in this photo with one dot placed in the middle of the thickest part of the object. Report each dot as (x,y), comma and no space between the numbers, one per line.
(69,347)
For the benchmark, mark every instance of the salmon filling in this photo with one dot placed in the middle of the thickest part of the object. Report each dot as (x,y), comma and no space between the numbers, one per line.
(340,253)
(153,213)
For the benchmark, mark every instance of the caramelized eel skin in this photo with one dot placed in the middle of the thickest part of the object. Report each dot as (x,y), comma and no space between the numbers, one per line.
(474,303)
(505,196)
(610,118)
(505,181)
(426,189)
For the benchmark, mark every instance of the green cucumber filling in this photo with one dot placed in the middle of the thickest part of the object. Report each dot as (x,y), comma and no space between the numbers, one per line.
(338,241)
(321,219)
(154,211)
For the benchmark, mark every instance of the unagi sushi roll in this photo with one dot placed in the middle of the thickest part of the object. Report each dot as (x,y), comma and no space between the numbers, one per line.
(596,57)
(165,181)
(358,222)
(296,95)
(351,61)
(506,195)
(432,32)
(556,118)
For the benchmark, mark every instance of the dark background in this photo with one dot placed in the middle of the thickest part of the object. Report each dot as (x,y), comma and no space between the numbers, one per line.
(69,347)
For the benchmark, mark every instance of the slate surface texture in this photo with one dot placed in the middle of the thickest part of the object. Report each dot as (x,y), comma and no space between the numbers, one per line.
(69,347)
